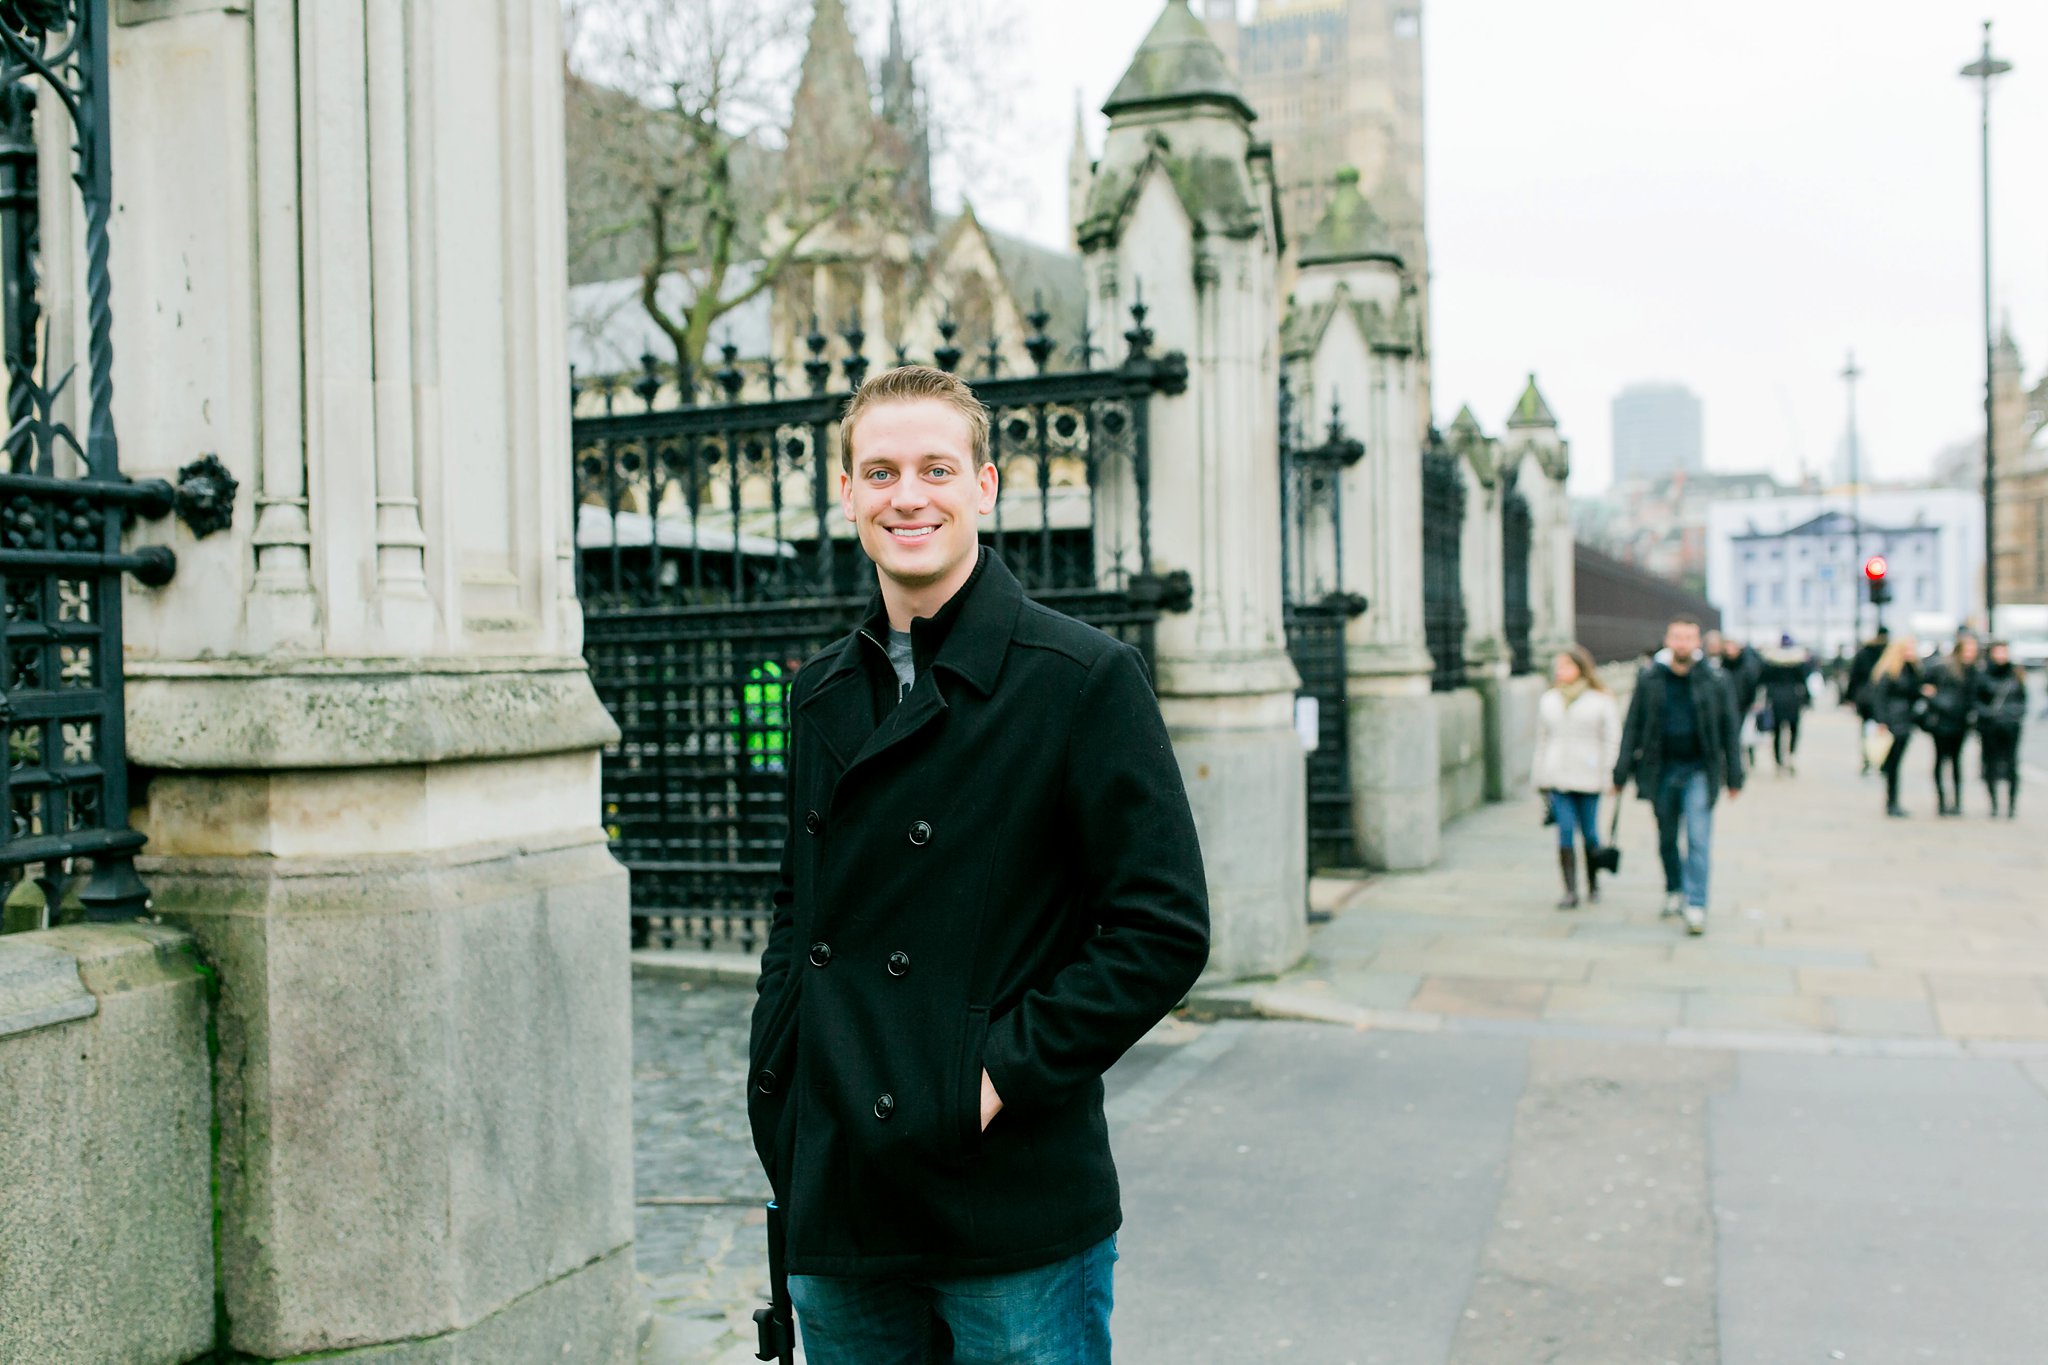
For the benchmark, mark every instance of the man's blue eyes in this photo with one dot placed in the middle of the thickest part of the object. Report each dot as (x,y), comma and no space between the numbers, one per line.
(936,472)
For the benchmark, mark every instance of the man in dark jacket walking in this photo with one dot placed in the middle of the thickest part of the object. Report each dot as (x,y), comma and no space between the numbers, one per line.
(1680,744)
(991,889)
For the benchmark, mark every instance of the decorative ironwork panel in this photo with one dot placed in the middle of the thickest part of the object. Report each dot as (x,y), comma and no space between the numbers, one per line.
(1443,590)
(1515,526)
(1317,608)
(713,559)
(67,850)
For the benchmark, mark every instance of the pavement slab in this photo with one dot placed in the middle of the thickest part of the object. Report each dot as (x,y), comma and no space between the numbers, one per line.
(1819,903)
(1881,1211)
(1602,1247)
(1344,1231)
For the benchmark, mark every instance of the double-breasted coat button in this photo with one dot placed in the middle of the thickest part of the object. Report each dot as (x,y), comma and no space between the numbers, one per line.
(920,833)
(821,953)
(885,1106)
(813,822)
(899,964)
(764,1081)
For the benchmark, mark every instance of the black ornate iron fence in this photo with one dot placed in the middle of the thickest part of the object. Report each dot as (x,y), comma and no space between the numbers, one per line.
(68,851)
(1443,592)
(1515,535)
(713,558)
(1317,608)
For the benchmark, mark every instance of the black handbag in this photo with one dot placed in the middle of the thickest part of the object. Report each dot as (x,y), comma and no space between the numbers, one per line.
(1607,858)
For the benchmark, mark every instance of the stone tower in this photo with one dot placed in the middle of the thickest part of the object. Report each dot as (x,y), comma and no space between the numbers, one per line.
(1353,347)
(1182,211)
(832,124)
(1080,171)
(906,127)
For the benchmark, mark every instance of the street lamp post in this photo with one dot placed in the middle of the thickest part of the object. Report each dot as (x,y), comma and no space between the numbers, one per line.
(1850,374)
(1982,71)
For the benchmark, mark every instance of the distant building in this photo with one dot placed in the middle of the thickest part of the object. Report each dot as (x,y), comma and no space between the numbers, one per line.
(2021,414)
(1794,565)
(1657,433)
(1336,84)
(1660,526)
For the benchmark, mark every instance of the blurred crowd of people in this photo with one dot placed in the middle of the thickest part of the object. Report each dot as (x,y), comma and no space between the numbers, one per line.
(1967,689)
(1705,706)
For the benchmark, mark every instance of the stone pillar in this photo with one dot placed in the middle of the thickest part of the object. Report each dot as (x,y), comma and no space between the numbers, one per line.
(1353,342)
(339,267)
(1544,458)
(1184,206)
(1486,649)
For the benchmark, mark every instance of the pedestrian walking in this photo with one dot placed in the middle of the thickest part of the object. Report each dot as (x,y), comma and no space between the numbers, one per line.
(1787,688)
(1859,694)
(1898,699)
(1742,668)
(990,889)
(2001,711)
(1950,715)
(1578,738)
(1680,744)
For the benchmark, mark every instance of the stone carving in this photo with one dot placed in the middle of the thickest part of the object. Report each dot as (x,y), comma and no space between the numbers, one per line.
(206,496)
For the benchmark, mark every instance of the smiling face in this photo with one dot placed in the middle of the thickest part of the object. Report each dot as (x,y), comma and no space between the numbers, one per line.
(917,499)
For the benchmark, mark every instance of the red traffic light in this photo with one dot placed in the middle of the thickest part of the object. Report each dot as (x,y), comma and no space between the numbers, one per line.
(1874,568)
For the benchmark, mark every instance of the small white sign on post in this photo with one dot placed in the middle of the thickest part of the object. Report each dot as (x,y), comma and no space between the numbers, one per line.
(1308,722)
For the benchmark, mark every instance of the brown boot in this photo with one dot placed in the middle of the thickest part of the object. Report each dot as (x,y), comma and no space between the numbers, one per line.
(1569,866)
(1592,878)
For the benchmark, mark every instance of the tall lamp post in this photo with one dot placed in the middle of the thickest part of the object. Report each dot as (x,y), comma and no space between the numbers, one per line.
(1982,71)
(1850,374)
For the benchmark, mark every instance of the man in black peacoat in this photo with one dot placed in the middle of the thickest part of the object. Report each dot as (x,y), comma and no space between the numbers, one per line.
(991,889)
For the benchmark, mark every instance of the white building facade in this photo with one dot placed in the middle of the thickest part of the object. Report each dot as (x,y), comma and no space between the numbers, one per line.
(1794,565)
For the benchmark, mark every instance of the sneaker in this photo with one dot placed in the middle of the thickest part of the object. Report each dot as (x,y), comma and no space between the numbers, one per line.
(1674,902)
(1695,920)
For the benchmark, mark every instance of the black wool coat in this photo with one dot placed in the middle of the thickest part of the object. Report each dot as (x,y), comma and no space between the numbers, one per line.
(1642,733)
(998,873)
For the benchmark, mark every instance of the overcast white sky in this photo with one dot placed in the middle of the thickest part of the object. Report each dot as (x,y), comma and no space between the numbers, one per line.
(1728,194)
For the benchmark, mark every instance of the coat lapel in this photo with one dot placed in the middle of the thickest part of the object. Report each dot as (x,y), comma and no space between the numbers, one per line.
(841,713)
(923,706)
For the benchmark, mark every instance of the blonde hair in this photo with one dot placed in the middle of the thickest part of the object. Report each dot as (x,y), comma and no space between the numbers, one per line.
(912,384)
(1903,649)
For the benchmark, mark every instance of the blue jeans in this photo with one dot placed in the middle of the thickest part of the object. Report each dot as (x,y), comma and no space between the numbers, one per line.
(1054,1315)
(1683,801)
(1576,811)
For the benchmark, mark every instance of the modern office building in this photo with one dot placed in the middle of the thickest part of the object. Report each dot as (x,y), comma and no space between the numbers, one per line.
(1658,432)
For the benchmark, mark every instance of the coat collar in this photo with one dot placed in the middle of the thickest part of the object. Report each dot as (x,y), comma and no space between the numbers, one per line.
(969,639)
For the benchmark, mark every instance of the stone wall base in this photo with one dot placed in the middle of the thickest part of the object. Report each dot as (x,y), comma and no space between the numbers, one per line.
(106,1219)
(1396,776)
(424,1089)
(1461,741)
(1515,733)
(1249,790)
(590,1315)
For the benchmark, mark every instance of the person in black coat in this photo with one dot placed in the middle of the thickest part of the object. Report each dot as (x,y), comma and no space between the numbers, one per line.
(1742,669)
(2001,703)
(1898,698)
(991,888)
(1858,693)
(1786,670)
(1950,716)
(1681,746)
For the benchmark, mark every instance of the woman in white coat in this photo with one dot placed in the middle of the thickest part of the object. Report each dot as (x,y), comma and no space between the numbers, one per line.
(1578,739)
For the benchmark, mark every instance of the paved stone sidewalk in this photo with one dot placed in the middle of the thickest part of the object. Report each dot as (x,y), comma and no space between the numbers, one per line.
(1832,927)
